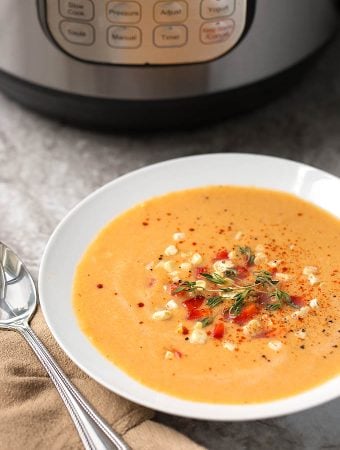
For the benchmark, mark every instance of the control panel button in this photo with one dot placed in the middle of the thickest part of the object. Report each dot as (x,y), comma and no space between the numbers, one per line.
(211,9)
(124,37)
(124,12)
(77,33)
(77,9)
(170,36)
(215,32)
(171,12)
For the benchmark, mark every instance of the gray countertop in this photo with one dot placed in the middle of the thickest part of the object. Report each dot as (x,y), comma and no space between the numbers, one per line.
(47,167)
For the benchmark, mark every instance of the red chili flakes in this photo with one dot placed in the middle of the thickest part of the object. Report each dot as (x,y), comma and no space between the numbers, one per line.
(185,331)
(178,354)
(145,224)
(100,286)
(140,304)
(194,243)
(191,229)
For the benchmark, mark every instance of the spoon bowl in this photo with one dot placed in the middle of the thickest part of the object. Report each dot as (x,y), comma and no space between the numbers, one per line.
(18,297)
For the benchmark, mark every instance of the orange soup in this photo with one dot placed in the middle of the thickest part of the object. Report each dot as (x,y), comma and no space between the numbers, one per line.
(218,294)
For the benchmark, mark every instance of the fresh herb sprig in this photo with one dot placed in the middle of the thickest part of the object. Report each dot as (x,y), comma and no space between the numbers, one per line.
(214,278)
(248,253)
(186,286)
(264,278)
(214,301)
(239,302)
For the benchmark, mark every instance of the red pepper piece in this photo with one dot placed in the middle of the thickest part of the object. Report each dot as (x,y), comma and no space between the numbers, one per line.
(298,300)
(242,272)
(221,254)
(218,332)
(194,303)
(198,272)
(247,313)
(195,314)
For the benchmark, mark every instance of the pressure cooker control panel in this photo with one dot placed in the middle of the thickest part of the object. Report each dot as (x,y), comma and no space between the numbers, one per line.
(146,31)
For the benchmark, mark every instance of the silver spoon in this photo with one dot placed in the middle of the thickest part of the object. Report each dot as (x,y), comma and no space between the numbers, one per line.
(18,301)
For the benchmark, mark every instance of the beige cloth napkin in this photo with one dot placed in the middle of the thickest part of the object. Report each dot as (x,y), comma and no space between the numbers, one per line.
(33,417)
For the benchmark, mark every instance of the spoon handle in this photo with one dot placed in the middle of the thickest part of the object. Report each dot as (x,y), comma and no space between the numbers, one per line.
(94,432)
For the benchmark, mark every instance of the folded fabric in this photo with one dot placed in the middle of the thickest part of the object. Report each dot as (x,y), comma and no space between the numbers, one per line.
(33,417)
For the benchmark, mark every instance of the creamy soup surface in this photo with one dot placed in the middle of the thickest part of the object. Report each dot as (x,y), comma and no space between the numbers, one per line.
(218,294)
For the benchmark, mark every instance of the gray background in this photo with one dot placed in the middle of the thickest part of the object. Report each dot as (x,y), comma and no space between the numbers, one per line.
(47,167)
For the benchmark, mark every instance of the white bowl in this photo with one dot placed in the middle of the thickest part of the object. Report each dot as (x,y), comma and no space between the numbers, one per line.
(73,235)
